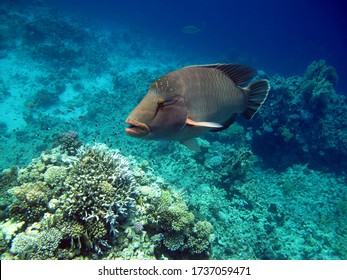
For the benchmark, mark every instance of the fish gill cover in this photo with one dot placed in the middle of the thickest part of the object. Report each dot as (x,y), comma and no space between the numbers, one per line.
(74,186)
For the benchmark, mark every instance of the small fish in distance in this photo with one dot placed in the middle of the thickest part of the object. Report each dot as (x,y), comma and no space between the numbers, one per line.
(191,29)
(187,103)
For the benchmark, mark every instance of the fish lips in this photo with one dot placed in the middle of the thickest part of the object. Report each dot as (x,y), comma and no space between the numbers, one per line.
(136,128)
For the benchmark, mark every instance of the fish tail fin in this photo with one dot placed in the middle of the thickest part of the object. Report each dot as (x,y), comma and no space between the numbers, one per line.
(257,93)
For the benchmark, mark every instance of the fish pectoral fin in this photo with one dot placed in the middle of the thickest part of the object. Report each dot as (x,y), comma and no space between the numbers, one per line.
(203,124)
(192,144)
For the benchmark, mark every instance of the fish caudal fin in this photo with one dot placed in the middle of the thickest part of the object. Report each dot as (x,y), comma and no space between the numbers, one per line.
(257,93)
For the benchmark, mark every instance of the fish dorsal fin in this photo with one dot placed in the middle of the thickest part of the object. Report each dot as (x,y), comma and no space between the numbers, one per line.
(238,73)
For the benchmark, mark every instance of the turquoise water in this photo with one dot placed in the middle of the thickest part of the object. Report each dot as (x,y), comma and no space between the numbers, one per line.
(75,186)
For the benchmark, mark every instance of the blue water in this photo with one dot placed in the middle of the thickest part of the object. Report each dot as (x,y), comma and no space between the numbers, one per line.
(280,37)
(75,186)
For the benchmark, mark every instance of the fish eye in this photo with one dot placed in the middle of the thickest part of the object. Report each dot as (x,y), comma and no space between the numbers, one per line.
(154,85)
(161,102)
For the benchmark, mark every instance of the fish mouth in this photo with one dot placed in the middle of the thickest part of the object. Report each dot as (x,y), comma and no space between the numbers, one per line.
(136,128)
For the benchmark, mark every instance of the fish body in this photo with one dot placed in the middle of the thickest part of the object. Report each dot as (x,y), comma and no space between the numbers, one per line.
(187,103)
(191,29)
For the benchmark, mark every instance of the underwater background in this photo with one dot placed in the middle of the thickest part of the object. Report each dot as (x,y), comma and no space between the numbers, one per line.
(74,186)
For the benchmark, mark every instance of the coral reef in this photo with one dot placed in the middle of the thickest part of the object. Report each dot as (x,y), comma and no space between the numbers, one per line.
(8,179)
(175,230)
(300,111)
(253,215)
(35,245)
(30,201)
(99,204)
(276,216)
(100,187)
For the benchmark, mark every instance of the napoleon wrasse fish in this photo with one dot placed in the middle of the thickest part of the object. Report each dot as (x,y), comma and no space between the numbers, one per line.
(186,103)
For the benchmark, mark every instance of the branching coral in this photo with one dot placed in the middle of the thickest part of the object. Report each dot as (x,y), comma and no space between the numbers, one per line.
(100,186)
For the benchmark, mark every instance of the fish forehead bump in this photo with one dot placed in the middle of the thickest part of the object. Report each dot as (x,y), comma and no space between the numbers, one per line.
(166,86)
(160,84)
(145,109)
